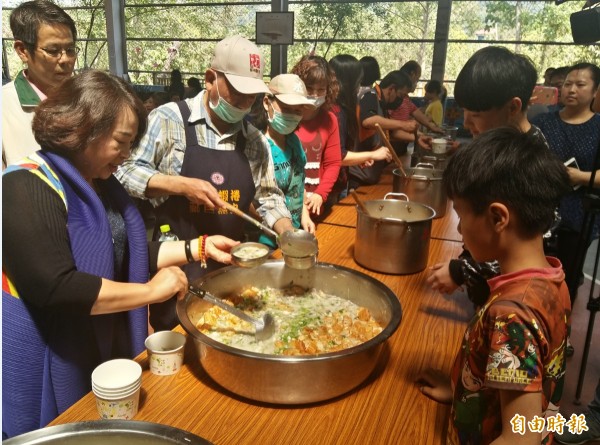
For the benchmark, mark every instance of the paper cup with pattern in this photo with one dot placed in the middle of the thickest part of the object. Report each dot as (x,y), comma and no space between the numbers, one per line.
(124,408)
(165,352)
(439,145)
(116,385)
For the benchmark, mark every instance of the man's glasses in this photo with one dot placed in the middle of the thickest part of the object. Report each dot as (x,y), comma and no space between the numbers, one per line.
(56,53)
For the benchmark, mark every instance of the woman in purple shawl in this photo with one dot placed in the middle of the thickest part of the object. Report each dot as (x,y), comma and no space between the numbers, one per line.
(78,272)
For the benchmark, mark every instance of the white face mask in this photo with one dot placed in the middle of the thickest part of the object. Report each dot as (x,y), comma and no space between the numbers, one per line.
(284,123)
(226,111)
(317,101)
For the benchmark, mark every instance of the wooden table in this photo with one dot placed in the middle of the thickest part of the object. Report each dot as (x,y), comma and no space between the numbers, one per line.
(386,409)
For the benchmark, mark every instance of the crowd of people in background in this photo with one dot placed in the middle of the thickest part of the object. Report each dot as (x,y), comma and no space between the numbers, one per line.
(286,152)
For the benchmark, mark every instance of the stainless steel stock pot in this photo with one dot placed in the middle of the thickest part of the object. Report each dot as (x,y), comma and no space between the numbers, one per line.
(422,184)
(394,236)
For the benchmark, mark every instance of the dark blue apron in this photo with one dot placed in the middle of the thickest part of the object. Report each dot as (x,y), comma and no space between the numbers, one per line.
(229,172)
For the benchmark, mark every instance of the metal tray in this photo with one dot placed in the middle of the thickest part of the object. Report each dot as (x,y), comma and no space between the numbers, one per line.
(113,432)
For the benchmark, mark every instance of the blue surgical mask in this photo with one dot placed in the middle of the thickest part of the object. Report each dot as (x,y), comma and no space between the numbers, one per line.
(284,123)
(317,101)
(226,111)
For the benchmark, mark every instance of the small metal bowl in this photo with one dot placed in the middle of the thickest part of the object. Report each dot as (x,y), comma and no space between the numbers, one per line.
(249,254)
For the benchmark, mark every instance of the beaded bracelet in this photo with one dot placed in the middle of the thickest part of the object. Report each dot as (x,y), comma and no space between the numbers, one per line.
(188,251)
(202,250)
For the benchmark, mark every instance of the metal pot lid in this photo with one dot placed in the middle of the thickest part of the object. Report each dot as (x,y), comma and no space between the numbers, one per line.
(436,157)
(423,172)
(114,432)
(396,211)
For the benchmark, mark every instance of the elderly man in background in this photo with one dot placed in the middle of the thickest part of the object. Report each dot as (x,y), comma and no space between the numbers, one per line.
(45,39)
(200,152)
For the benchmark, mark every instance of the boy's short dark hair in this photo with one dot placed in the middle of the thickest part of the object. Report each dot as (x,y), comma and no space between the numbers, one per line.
(514,168)
(492,77)
(397,78)
(26,19)
(194,82)
(433,86)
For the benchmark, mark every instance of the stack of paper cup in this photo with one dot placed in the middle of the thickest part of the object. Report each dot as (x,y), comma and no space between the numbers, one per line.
(116,384)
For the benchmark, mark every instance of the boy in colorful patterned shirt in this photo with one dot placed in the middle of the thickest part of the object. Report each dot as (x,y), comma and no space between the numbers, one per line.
(508,376)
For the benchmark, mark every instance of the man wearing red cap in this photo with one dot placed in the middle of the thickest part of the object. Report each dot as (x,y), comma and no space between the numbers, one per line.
(200,152)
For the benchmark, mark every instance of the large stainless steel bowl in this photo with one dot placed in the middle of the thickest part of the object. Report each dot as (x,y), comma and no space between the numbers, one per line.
(292,379)
(114,432)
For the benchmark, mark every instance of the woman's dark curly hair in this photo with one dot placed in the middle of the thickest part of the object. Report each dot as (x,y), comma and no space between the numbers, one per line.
(83,109)
(313,69)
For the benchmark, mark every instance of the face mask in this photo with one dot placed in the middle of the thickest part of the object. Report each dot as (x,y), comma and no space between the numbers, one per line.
(395,104)
(317,101)
(226,111)
(284,123)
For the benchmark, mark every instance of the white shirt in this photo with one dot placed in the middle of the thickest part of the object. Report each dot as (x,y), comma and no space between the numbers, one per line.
(18,106)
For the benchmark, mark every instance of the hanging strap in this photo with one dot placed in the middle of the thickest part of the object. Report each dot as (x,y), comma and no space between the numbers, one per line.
(191,138)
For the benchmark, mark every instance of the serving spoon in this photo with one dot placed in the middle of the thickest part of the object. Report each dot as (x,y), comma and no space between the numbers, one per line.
(264,326)
(294,243)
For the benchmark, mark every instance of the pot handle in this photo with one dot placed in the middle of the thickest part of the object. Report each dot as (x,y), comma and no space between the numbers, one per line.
(397,196)
(421,177)
(424,165)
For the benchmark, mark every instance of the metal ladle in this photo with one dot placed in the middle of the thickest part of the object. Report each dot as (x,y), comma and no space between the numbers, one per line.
(364,209)
(299,248)
(248,218)
(264,326)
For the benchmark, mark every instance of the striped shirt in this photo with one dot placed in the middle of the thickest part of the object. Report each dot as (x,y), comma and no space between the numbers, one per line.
(404,111)
(162,148)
